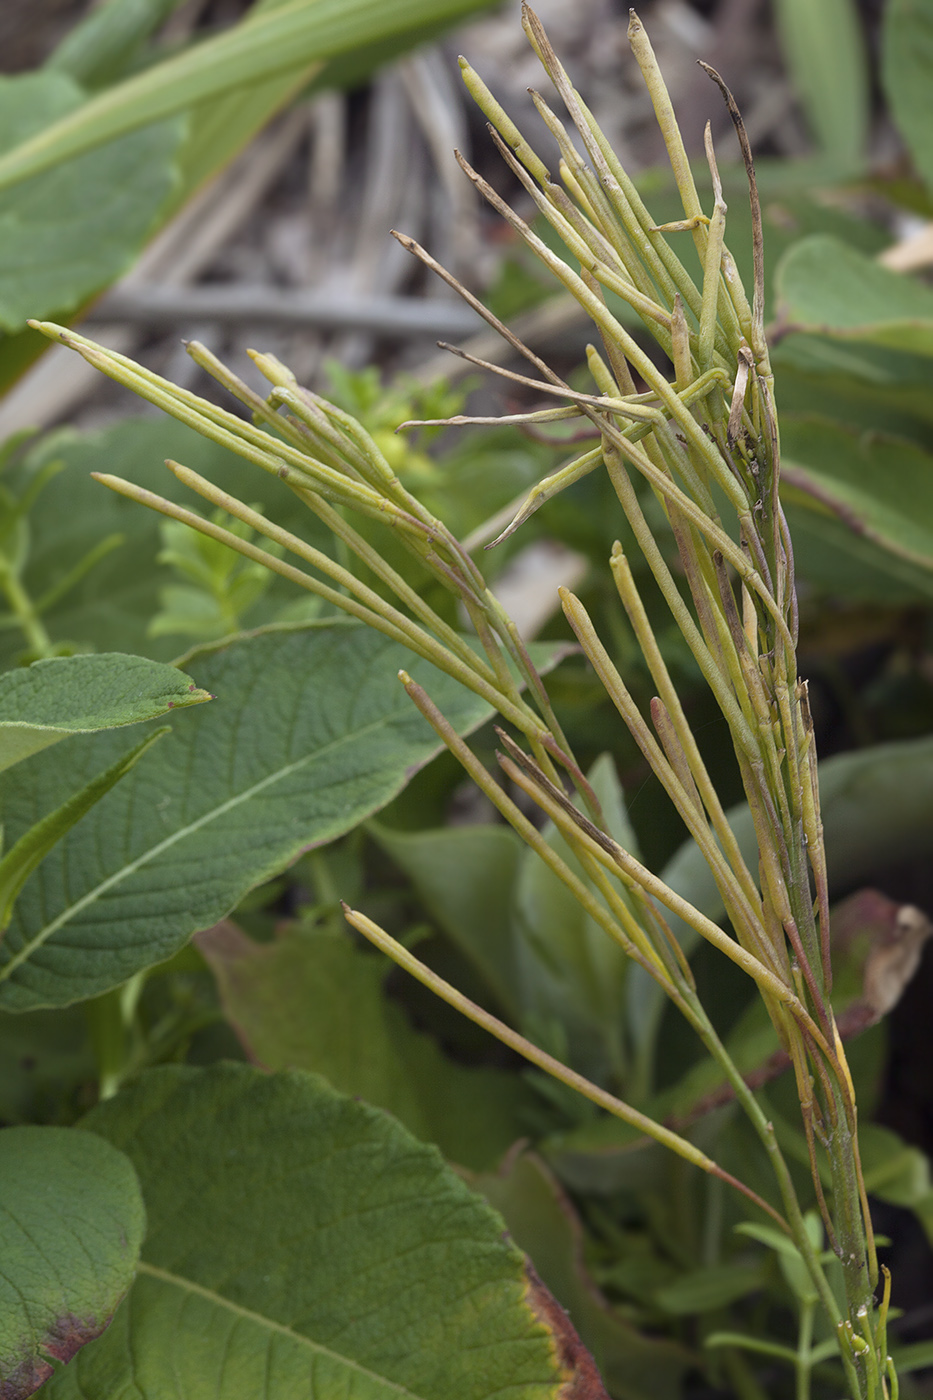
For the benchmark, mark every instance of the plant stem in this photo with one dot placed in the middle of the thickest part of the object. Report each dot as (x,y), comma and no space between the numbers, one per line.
(543,1060)
(804,1339)
(25,612)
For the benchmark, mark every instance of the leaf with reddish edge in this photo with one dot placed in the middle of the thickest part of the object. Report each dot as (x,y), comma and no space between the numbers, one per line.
(543,1221)
(315,1001)
(71,1226)
(304,1246)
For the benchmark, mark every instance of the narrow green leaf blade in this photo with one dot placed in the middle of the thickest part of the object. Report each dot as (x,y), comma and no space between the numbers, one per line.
(913,1358)
(50,700)
(71,1225)
(907,76)
(34,845)
(311,732)
(706,1290)
(218,129)
(261,47)
(305,1247)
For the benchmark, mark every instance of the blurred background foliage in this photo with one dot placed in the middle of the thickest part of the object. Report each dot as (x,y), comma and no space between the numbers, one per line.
(242,193)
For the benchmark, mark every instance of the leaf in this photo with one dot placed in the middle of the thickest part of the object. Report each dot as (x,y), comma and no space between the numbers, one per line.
(311,732)
(913,1358)
(907,76)
(69,232)
(837,562)
(543,1222)
(465,877)
(263,46)
(304,1245)
(36,843)
(826,286)
(893,1170)
(46,1061)
(107,41)
(877,946)
(825,53)
(880,487)
(866,386)
(110,606)
(571,975)
(605,1156)
(219,129)
(46,702)
(314,1001)
(706,1290)
(71,1225)
(877,810)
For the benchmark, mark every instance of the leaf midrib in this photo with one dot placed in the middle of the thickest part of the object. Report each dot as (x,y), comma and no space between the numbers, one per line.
(219,1301)
(154,852)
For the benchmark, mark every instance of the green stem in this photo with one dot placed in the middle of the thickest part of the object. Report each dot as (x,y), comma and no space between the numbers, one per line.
(25,612)
(804,1339)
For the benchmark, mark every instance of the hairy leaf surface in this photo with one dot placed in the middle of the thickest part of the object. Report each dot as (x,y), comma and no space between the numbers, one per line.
(71,1224)
(310,732)
(304,1245)
(49,700)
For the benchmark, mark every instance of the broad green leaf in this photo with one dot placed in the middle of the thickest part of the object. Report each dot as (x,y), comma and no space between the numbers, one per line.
(825,54)
(108,40)
(907,76)
(109,607)
(543,1222)
(46,702)
(71,1224)
(705,1290)
(261,47)
(834,560)
(826,286)
(310,733)
(313,1001)
(465,877)
(34,845)
(66,233)
(303,1246)
(880,487)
